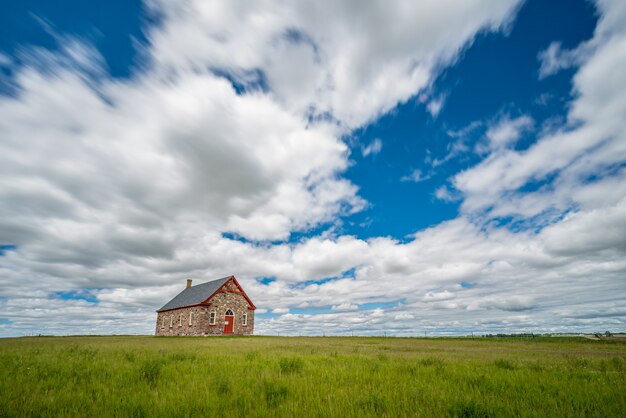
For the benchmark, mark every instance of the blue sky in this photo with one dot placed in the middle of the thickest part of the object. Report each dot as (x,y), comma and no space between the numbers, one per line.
(448,168)
(496,75)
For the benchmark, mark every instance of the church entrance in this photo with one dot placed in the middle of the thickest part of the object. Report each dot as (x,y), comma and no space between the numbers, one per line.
(229,322)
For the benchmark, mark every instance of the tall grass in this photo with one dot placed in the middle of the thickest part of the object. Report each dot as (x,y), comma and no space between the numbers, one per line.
(343,377)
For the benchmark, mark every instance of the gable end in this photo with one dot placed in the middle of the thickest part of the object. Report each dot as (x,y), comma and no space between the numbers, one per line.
(231,286)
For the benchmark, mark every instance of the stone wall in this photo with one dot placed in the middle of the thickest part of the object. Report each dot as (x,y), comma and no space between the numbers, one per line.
(176,321)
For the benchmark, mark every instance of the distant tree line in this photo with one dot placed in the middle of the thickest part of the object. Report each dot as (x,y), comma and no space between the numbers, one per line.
(524,335)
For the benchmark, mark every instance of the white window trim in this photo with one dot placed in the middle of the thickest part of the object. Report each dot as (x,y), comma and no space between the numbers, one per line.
(244,319)
(180,319)
(163,321)
(190,317)
(171,321)
(212,318)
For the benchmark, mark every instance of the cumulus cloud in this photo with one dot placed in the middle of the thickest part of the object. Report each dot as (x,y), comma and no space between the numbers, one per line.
(322,58)
(566,168)
(159,153)
(124,188)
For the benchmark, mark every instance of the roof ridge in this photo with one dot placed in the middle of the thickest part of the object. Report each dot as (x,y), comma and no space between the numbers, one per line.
(195,295)
(202,284)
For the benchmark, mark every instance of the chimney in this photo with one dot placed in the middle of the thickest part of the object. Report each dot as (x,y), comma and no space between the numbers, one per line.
(188,283)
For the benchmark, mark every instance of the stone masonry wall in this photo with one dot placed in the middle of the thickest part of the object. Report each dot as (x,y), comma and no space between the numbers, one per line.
(176,322)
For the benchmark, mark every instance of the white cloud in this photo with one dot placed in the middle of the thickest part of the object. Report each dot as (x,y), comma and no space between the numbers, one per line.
(437,296)
(509,303)
(506,131)
(446,194)
(435,105)
(124,188)
(561,161)
(554,59)
(373,148)
(589,232)
(416,176)
(459,146)
(509,272)
(167,152)
(321,258)
(325,58)
(345,307)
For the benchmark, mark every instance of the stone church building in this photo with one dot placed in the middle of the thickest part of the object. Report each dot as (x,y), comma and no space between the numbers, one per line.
(219,307)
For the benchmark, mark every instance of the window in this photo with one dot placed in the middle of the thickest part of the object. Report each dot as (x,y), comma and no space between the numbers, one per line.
(171,320)
(229,312)
(180,320)
(244,319)
(212,316)
(163,322)
(190,316)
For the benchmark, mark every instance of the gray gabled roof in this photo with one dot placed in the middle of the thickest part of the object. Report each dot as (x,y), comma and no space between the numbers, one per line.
(195,294)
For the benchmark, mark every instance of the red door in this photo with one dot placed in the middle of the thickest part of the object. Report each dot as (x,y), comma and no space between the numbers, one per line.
(229,322)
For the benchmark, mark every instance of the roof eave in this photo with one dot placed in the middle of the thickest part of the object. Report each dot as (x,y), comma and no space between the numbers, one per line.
(181,307)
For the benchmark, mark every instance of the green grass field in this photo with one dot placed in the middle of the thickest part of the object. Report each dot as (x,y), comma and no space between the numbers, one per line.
(309,377)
